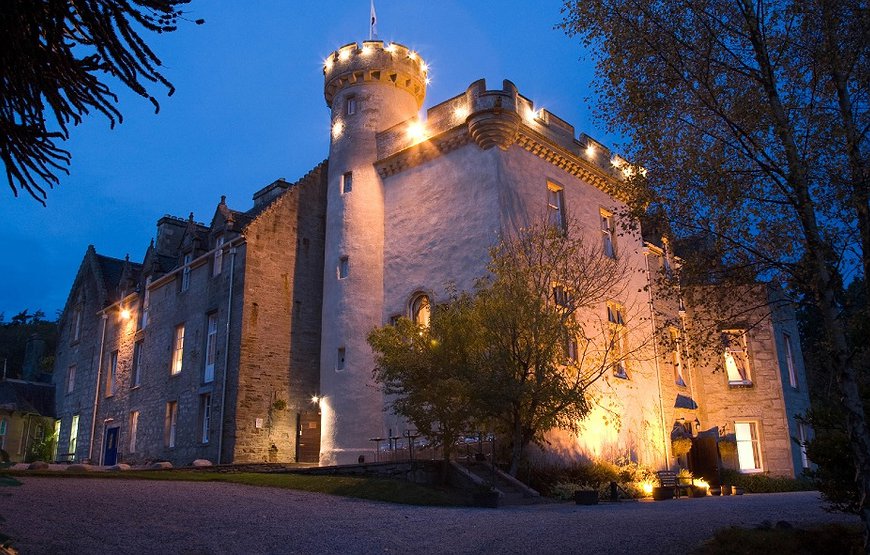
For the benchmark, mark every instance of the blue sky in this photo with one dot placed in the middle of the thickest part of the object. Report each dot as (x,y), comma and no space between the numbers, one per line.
(249,108)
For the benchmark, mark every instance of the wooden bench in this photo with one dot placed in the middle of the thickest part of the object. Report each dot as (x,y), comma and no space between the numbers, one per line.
(669,479)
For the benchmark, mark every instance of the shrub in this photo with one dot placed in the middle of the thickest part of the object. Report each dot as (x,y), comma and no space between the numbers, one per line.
(765,483)
(561,481)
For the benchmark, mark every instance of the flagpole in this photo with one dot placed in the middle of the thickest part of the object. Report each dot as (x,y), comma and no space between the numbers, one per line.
(373,21)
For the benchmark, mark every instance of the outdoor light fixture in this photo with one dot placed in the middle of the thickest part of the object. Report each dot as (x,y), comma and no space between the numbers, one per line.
(315,399)
(412,55)
(337,129)
(416,131)
(590,150)
(460,112)
(424,67)
(344,55)
(390,48)
(125,314)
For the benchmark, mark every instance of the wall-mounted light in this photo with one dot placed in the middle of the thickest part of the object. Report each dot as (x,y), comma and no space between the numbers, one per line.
(125,314)
(416,131)
(697,424)
(315,399)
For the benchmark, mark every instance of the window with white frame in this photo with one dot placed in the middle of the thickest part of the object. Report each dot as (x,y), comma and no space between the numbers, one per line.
(71,378)
(178,349)
(346,183)
(218,262)
(618,342)
(736,357)
(556,205)
(210,347)
(56,441)
(73,435)
(111,373)
(134,430)
(138,348)
(748,446)
(421,310)
(789,361)
(350,105)
(185,272)
(204,417)
(608,233)
(171,423)
(677,356)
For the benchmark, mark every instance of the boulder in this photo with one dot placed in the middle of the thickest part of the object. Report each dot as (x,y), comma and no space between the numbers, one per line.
(161,465)
(199,463)
(38,465)
(119,467)
(79,468)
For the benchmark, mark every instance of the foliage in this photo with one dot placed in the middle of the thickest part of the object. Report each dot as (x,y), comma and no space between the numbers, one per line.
(822,540)
(54,56)
(727,447)
(765,483)
(43,449)
(560,481)
(680,446)
(751,119)
(834,474)
(13,340)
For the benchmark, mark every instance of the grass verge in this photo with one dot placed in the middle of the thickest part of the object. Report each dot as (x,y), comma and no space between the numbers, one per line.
(821,540)
(376,489)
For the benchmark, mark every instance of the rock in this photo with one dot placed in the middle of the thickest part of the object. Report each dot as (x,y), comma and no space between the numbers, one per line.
(20,466)
(79,468)
(199,463)
(38,465)
(161,465)
(119,467)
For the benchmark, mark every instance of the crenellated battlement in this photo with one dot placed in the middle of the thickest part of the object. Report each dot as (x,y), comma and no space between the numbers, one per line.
(375,62)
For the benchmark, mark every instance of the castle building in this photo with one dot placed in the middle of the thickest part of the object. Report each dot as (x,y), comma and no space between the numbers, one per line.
(244,340)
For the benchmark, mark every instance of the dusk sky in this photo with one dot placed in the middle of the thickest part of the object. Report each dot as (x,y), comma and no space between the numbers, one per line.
(249,108)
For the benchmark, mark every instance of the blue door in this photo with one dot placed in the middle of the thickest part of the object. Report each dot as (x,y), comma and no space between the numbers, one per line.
(110,458)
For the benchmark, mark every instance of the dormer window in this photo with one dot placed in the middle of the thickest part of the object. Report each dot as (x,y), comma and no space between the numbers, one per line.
(218,263)
(185,273)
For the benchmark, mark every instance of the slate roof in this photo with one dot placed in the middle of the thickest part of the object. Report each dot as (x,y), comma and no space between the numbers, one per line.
(29,397)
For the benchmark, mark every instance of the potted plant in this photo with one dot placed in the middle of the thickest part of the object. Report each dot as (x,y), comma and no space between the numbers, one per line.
(681,446)
(660,493)
(586,496)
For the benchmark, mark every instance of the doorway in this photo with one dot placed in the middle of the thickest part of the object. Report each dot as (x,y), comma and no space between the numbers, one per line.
(110,456)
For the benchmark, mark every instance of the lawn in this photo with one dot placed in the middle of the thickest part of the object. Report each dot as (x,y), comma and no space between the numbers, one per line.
(821,540)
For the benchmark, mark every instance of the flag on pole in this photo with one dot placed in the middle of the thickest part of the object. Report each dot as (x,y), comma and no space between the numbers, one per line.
(373,23)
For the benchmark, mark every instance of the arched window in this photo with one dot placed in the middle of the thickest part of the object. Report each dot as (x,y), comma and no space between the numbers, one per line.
(421,310)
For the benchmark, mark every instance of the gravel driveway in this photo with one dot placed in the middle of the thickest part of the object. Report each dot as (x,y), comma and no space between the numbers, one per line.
(93,516)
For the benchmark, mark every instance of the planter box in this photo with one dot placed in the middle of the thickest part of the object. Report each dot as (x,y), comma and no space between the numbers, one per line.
(699,492)
(586,497)
(487,499)
(726,489)
(661,493)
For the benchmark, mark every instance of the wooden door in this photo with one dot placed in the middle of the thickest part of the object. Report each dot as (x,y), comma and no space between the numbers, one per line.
(308,437)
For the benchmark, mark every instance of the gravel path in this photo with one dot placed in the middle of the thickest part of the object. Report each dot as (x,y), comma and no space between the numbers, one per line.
(94,516)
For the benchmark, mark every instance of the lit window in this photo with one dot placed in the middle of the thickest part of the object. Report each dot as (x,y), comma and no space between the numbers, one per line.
(804,437)
(185,273)
(677,356)
(748,449)
(134,427)
(343,267)
(608,237)
(73,435)
(218,263)
(111,373)
(555,206)
(350,106)
(71,378)
(789,361)
(178,349)
(210,348)
(421,310)
(618,342)
(205,417)
(339,362)
(346,183)
(138,347)
(736,357)
(171,423)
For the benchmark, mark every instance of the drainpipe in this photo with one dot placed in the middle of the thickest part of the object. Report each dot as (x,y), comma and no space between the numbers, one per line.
(656,359)
(226,354)
(97,388)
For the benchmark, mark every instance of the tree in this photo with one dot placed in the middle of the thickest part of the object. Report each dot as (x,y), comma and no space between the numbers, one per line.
(426,372)
(751,120)
(522,352)
(53,58)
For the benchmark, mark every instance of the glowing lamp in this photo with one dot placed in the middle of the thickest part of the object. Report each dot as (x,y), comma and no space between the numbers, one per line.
(647,488)
(337,129)
(424,67)
(315,399)
(412,55)
(427,80)
(366,50)
(390,48)
(417,131)
(460,112)
(590,151)
(344,55)
(327,63)
(125,314)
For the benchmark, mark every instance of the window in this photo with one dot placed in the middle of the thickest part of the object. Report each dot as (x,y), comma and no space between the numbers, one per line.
(421,310)
(736,357)
(73,435)
(555,206)
(111,373)
(205,416)
(339,362)
(218,263)
(677,356)
(138,347)
(350,106)
(343,267)
(3,429)
(71,378)
(789,362)
(134,428)
(185,273)
(560,296)
(77,324)
(748,450)
(210,348)
(171,423)
(608,237)
(56,438)
(178,349)
(618,343)
(572,354)
(804,437)
(346,183)
(146,302)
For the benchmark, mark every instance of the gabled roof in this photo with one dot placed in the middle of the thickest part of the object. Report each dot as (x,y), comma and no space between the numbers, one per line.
(27,397)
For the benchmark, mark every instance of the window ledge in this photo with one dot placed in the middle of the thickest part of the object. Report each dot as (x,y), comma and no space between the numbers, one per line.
(740,385)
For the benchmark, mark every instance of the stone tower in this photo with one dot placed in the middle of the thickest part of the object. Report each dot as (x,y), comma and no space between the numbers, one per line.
(369,89)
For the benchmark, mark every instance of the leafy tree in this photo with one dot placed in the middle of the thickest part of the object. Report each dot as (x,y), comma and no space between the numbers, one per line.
(54,55)
(751,119)
(13,341)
